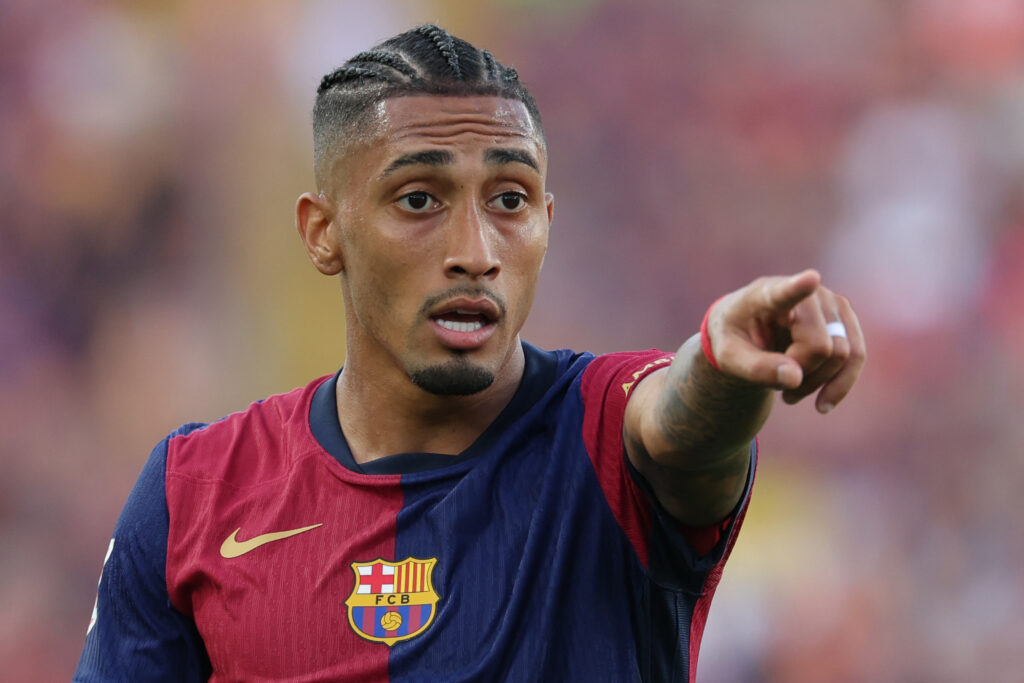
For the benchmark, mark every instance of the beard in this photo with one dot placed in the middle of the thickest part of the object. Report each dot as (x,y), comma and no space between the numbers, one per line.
(457,377)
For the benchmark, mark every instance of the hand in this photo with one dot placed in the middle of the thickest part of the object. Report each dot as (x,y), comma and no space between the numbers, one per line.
(774,333)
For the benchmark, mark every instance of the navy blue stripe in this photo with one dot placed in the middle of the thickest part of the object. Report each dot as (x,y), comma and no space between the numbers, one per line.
(536,580)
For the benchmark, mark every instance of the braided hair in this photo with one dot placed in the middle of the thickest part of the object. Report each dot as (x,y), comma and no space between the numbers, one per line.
(426,60)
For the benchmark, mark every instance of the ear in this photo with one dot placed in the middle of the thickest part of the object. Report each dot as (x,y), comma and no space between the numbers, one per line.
(549,201)
(314,219)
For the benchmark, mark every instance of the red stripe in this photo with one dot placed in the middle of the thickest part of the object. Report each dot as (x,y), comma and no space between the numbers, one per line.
(604,407)
(368,618)
(366,528)
(415,617)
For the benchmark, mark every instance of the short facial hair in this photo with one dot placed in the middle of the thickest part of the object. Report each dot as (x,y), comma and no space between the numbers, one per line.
(457,377)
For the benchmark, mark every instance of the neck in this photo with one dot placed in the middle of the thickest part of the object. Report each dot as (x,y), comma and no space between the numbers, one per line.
(382,416)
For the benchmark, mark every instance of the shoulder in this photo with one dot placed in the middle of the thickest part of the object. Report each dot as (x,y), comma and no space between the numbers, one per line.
(248,446)
(597,378)
(618,373)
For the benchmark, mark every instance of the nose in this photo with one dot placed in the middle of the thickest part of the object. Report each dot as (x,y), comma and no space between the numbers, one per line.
(471,245)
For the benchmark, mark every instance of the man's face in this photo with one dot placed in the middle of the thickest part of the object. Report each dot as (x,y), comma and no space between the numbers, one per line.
(442,225)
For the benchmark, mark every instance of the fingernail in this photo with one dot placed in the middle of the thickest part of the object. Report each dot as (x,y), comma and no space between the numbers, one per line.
(826,408)
(787,376)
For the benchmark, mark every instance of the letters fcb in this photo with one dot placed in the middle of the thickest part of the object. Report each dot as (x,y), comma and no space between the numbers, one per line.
(392,601)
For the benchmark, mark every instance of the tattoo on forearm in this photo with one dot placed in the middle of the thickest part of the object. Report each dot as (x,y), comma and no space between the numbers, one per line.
(694,448)
(704,414)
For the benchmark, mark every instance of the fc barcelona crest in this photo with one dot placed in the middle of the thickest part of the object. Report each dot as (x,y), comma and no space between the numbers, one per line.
(392,601)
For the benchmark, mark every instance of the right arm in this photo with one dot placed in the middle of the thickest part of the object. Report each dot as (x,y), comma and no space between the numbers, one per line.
(688,428)
(137,635)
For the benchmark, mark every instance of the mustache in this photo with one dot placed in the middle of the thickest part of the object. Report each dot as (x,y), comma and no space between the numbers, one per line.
(469,291)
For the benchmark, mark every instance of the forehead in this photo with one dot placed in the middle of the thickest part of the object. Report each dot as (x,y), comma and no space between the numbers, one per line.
(402,123)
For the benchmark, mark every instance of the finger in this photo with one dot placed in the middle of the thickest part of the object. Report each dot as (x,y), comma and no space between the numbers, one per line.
(745,360)
(836,389)
(830,365)
(784,294)
(810,342)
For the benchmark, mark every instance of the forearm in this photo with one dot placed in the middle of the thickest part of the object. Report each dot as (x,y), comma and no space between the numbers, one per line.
(701,416)
(688,428)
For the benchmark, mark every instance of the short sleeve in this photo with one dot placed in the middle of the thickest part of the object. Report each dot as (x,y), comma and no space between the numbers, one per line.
(136,634)
(663,545)
(683,565)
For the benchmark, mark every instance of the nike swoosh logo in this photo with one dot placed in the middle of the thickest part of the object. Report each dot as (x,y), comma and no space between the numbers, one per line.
(232,547)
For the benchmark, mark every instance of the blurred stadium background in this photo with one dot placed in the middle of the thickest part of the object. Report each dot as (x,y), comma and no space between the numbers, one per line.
(152,151)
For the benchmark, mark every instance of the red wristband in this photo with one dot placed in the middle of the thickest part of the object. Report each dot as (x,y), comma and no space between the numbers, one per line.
(705,338)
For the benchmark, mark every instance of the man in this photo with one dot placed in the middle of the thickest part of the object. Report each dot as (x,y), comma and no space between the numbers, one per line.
(455,504)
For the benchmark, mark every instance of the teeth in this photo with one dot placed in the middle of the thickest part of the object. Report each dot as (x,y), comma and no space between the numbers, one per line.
(460,327)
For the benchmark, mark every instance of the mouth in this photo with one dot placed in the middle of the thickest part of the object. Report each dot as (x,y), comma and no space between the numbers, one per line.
(465,323)
(461,322)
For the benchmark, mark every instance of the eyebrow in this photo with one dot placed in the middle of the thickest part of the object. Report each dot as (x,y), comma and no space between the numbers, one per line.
(495,156)
(498,156)
(435,157)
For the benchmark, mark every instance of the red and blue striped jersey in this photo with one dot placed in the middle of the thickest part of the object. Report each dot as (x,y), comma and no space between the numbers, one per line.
(255,548)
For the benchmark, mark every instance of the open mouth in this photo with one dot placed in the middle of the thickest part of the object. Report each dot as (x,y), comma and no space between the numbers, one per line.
(462,321)
(465,323)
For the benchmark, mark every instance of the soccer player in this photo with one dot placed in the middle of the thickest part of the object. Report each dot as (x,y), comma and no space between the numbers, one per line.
(455,504)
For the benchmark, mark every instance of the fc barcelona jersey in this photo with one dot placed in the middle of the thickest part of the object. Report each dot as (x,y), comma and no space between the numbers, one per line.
(255,548)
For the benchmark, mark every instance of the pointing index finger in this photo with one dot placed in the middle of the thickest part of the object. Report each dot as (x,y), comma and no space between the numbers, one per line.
(786,293)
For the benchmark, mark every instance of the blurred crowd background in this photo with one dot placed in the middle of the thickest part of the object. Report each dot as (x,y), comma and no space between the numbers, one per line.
(151,152)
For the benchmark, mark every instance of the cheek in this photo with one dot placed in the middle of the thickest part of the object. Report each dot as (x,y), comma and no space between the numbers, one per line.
(388,283)
(373,288)
(527,271)
(536,246)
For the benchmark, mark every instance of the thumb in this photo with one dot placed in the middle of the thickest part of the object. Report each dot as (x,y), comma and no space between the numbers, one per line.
(747,361)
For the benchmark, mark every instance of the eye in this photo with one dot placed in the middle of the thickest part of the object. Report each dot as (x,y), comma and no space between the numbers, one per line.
(417,202)
(508,201)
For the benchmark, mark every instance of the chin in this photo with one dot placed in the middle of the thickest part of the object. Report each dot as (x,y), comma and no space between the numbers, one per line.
(456,377)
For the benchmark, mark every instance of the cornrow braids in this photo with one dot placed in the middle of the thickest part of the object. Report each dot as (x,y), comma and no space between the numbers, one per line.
(347,73)
(489,64)
(426,60)
(387,59)
(445,44)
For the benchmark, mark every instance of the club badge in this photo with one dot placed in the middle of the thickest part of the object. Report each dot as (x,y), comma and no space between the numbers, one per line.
(392,601)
